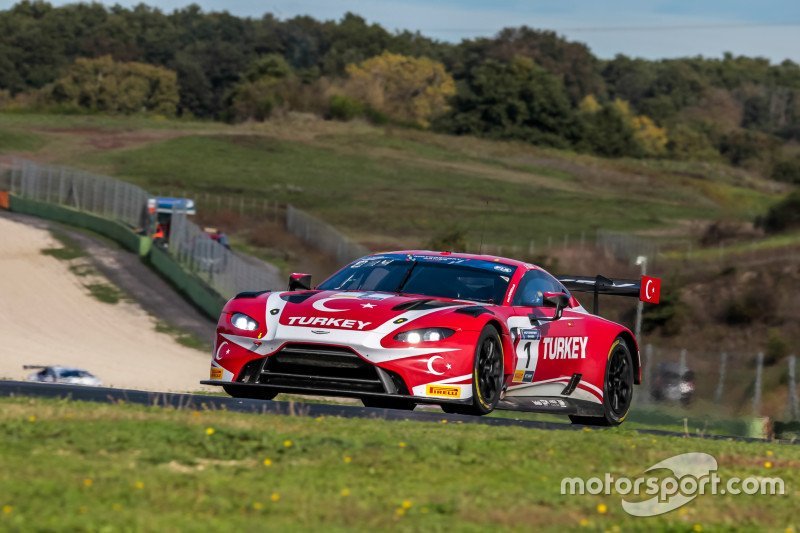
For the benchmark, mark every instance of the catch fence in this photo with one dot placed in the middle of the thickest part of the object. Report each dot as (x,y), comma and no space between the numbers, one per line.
(322,236)
(222,269)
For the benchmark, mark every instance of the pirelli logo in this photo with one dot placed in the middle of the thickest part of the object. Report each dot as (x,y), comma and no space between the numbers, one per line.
(443,391)
(216,373)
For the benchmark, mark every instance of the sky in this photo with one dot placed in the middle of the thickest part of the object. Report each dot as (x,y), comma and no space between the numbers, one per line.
(651,29)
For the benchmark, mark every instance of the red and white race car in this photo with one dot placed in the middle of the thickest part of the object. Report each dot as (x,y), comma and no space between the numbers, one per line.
(468,332)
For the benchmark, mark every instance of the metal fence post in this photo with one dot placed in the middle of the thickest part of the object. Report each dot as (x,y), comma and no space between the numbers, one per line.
(723,363)
(648,370)
(757,387)
(682,363)
(793,409)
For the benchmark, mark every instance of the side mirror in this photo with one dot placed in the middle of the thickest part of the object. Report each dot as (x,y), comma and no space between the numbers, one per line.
(298,281)
(559,300)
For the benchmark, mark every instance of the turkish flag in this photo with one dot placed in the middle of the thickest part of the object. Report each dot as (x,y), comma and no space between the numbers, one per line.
(650,290)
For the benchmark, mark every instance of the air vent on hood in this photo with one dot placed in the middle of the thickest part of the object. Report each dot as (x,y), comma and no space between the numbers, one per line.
(421,305)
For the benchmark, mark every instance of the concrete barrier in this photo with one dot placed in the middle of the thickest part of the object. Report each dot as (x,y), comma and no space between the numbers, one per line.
(115,231)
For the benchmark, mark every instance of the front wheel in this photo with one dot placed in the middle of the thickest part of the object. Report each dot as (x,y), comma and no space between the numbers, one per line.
(617,388)
(487,376)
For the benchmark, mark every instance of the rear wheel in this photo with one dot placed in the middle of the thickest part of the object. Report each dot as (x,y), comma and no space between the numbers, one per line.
(255,393)
(389,403)
(617,388)
(487,376)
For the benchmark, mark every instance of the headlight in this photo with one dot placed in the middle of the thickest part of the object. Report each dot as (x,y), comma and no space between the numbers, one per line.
(242,321)
(415,336)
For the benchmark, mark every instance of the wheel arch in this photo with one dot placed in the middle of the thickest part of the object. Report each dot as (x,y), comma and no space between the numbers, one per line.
(633,346)
(505,342)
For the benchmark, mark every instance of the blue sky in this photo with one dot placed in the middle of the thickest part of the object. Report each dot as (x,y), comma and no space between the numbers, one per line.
(646,28)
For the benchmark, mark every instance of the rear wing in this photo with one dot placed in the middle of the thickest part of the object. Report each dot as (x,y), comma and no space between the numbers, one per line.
(647,289)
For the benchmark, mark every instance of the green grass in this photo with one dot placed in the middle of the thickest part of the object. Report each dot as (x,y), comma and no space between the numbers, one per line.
(105,293)
(11,140)
(68,250)
(71,466)
(365,194)
(387,186)
(183,338)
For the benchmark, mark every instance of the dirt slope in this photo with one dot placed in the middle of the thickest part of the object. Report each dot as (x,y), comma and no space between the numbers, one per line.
(48,317)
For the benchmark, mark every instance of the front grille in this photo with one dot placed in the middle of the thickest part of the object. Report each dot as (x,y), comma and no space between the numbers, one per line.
(316,366)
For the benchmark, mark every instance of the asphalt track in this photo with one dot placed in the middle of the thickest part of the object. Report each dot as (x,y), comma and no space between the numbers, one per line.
(204,402)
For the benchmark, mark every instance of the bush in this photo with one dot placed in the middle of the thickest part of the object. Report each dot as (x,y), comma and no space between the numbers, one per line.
(782,216)
(777,347)
(787,170)
(344,108)
(667,317)
(452,239)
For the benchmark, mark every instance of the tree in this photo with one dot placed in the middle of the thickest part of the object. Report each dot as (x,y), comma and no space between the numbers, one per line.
(513,100)
(105,85)
(263,88)
(406,89)
(614,130)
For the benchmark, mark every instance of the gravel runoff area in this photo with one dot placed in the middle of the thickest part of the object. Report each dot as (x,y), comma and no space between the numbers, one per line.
(47,316)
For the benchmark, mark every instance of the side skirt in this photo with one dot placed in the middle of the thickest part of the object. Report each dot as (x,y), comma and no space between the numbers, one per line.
(552,405)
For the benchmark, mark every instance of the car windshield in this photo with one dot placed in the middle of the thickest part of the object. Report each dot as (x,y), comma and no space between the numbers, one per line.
(74,374)
(439,276)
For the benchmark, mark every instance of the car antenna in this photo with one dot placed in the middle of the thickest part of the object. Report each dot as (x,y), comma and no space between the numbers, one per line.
(483,228)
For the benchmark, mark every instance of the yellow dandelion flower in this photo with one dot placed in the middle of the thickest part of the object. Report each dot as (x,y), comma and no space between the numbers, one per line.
(789,529)
(399,511)
(275,497)
(258,506)
(287,443)
(7,509)
(587,430)
(319,418)
(195,414)
(401,444)
(210,431)
(88,482)
(345,492)
(769,453)
(697,528)
(602,508)
(267,462)
(682,511)
(767,464)
(406,504)
(584,522)
(347,459)
(615,528)
(444,421)
(139,485)
(32,418)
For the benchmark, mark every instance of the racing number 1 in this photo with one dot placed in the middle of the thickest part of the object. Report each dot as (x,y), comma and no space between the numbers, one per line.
(527,349)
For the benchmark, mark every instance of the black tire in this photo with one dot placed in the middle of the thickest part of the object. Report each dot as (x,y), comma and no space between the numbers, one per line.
(389,403)
(254,393)
(487,376)
(617,388)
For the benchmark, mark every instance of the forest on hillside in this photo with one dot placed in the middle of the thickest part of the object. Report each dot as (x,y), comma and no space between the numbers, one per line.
(521,84)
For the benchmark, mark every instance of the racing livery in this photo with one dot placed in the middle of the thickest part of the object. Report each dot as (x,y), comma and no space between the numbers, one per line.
(468,332)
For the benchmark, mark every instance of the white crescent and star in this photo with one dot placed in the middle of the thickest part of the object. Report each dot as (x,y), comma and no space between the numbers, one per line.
(320,305)
(647,289)
(430,365)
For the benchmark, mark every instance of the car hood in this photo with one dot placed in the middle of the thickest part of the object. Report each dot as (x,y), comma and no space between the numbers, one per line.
(355,311)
